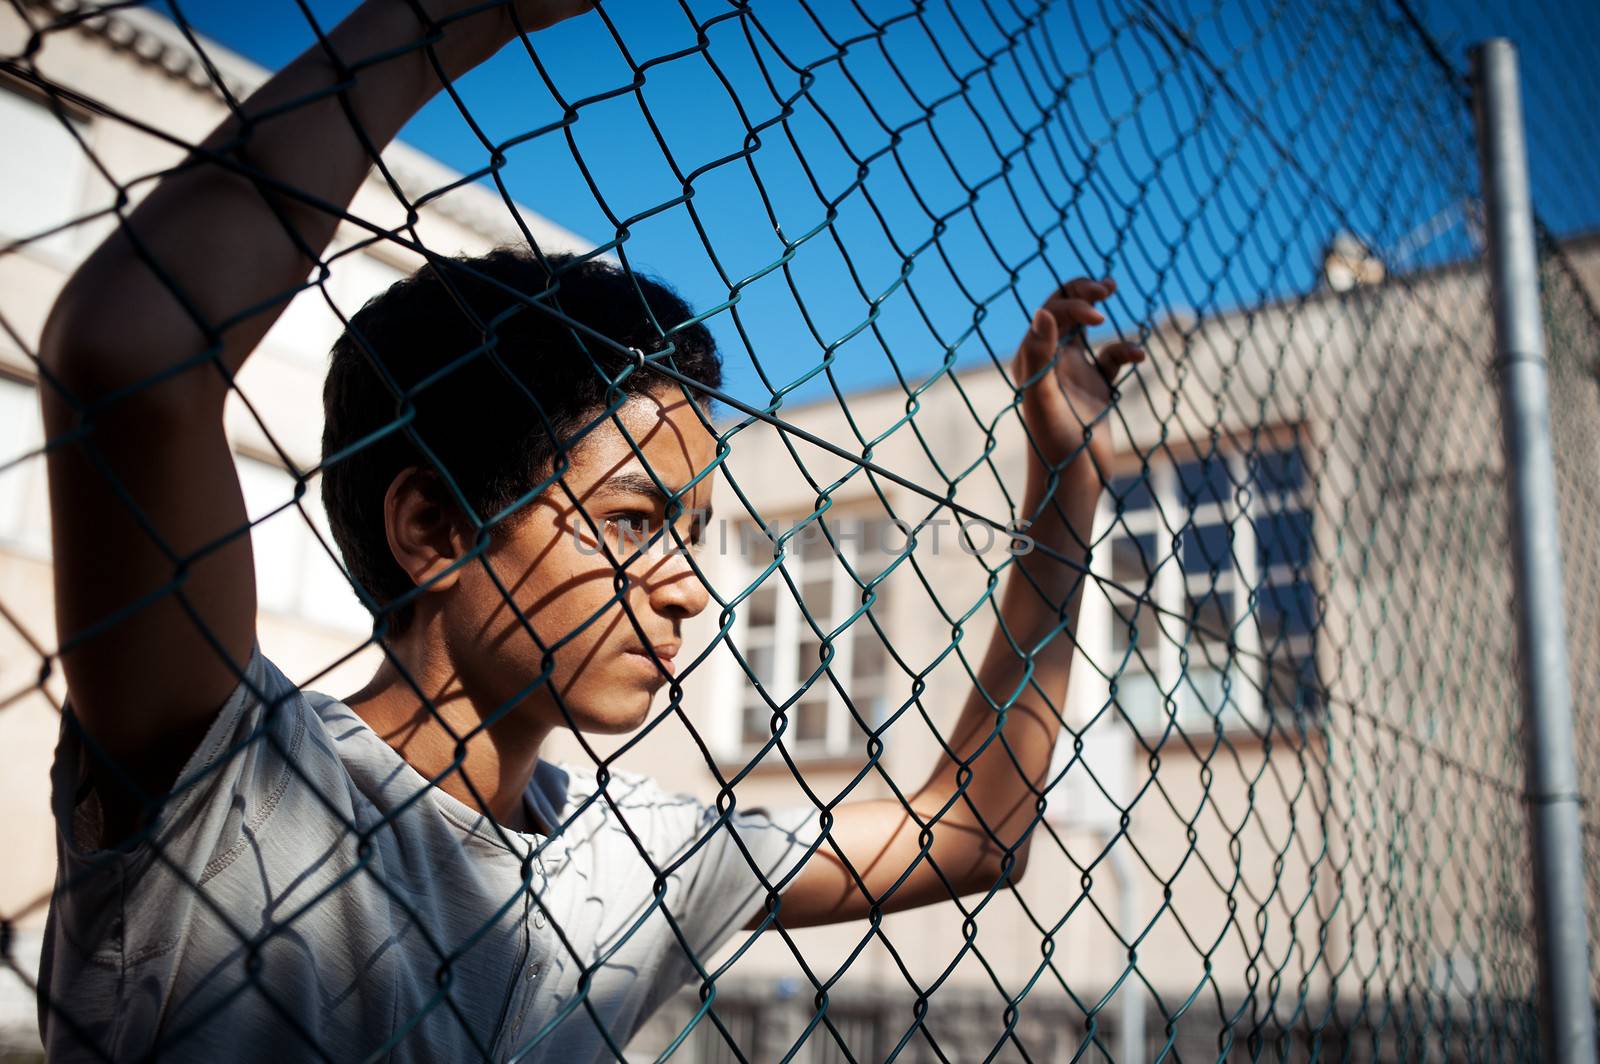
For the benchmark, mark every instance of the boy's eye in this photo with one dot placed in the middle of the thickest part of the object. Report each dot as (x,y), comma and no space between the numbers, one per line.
(635,524)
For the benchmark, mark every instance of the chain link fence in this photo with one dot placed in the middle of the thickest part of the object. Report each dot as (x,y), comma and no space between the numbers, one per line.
(1284,814)
(1573,328)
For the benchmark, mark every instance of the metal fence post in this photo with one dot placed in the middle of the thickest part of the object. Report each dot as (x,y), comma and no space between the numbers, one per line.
(1566,1013)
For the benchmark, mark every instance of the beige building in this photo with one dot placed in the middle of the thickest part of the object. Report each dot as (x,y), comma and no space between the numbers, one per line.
(1284,818)
(1302,596)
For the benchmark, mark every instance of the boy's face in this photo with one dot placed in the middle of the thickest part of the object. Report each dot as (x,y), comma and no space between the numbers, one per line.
(552,566)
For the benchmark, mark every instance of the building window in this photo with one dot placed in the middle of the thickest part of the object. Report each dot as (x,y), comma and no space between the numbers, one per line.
(45,175)
(24,507)
(295,574)
(1214,613)
(307,328)
(781,635)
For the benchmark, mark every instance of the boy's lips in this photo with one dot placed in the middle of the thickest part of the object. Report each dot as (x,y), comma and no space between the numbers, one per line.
(664,652)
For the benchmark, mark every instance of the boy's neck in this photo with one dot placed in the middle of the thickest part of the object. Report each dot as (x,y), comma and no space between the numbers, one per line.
(499,761)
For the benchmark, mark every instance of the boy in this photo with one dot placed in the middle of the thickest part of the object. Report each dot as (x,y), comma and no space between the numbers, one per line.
(251,872)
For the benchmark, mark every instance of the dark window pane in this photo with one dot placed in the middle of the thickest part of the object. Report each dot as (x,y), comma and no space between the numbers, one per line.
(1206,549)
(1275,472)
(817,594)
(810,659)
(1283,539)
(812,540)
(1134,620)
(809,717)
(1211,614)
(881,542)
(757,725)
(1133,560)
(762,605)
(870,656)
(878,593)
(1204,480)
(1288,609)
(1133,490)
(754,543)
(1293,688)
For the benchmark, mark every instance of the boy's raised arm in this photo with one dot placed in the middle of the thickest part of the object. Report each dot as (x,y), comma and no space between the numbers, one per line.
(976,825)
(156,616)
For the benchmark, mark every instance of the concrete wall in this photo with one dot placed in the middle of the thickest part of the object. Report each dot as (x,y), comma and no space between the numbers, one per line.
(1381,852)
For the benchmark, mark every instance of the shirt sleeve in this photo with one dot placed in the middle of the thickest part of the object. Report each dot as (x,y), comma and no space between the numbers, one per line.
(229,785)
(746,855)
(130,905)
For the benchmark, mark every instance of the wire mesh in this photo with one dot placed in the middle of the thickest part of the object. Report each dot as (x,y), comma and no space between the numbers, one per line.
(1573,326)
(1283,816)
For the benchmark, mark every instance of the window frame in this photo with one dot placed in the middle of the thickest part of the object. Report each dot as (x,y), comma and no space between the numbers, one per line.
(1245,713)
(789,632)
(25,513)
(298,593)
(63,249)
(290,338)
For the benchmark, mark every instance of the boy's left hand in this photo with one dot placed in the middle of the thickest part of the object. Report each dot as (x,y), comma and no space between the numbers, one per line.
(1061,400)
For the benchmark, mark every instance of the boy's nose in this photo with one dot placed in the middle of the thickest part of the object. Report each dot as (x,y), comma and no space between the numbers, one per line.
(675,588)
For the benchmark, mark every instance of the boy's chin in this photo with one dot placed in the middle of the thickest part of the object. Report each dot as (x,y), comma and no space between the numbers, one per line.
(626,714)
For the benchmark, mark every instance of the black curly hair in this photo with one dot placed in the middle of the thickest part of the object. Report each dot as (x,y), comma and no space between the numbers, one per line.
(496,432)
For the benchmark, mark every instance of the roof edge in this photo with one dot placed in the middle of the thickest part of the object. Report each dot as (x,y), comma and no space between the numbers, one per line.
(155,39)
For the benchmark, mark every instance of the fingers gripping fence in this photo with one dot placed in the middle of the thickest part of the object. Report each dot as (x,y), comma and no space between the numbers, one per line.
(1277,810)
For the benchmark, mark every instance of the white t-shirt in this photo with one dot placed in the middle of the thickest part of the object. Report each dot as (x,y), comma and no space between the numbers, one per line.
(306,894)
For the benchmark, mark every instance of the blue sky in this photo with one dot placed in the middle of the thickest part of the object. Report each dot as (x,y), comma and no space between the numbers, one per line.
(1201,157)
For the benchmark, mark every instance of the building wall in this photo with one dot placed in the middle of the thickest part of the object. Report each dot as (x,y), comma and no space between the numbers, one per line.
(1316,855)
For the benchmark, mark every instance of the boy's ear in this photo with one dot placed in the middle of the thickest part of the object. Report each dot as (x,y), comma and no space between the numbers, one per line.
(424,527)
